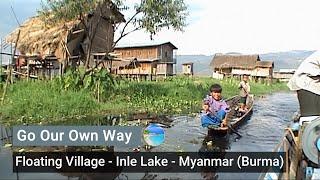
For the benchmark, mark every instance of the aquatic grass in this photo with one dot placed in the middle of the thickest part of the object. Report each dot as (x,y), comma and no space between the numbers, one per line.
(175,95)
(38,101)
(262,89)
(44,101)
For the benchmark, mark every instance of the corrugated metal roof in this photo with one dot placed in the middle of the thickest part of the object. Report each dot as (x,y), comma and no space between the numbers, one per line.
(189,63)
(152,44)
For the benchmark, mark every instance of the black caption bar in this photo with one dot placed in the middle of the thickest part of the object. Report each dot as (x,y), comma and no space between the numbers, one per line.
(106,162)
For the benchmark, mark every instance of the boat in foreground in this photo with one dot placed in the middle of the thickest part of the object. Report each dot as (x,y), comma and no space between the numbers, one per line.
(301,144)
(233,118)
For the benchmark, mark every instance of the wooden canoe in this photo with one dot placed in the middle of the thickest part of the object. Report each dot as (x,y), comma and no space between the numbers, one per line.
(292,169)
(297,164)
(232,119)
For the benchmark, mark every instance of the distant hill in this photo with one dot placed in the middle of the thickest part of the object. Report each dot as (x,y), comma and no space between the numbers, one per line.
(282,60)
(201,63)
(287,60)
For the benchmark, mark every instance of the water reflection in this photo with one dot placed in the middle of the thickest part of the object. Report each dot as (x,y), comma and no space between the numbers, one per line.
(211,145)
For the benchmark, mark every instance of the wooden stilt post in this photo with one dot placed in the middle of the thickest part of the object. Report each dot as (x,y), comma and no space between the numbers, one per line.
(1,60)
(9,69)
(10,65)
(28,70)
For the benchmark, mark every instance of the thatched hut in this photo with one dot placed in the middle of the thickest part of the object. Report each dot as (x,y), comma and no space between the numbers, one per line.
(264,69)
(155,59)
(68,39)
(284,75)
(234,64)
(237,65)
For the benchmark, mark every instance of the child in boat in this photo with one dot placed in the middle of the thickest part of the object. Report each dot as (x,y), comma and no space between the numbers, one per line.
(214,108)
(244,92)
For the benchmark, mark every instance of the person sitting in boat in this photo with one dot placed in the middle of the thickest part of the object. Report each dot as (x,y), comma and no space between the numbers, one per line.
(214,108)
(244,92)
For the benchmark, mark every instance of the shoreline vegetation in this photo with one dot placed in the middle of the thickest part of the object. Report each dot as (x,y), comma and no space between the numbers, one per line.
(46,102)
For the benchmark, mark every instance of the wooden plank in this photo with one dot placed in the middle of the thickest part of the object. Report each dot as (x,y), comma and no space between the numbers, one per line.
(78,31)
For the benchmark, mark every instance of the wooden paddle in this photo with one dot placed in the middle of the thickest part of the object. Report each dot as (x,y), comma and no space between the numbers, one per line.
(233,130)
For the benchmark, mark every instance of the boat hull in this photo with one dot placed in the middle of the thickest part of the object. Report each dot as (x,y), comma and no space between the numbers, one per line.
(233,121)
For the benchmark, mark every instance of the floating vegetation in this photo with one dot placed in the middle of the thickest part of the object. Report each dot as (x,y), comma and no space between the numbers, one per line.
(46,102)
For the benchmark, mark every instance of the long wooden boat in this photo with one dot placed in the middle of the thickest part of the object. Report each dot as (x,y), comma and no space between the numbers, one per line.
(301,153)
(232,118)
(289,145)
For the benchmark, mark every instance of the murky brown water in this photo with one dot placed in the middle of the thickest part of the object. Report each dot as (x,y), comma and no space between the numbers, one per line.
(261,133)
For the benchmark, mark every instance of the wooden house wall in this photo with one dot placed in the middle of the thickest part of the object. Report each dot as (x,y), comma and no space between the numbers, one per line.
(142,69)
(223,71)
(278,75)
(216,75)
(73,43)
(139,53)
(103,39)
(165,52)
(104,29)
(169,69)
(187,69)
(162,52)
(237,71)
(165,69)
(262,72)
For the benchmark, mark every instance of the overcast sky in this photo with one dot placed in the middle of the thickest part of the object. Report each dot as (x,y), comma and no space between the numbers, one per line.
(245,26)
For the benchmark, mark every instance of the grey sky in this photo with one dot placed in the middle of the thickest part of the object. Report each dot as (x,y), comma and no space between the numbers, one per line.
(246,26)
(23,9)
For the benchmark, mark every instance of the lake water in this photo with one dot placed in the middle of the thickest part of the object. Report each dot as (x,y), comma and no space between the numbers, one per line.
(262,132)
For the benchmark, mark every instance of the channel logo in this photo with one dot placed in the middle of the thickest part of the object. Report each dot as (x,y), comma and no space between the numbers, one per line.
(153,135)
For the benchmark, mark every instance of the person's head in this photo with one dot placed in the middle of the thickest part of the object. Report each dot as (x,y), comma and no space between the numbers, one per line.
(215,91)
(245,78)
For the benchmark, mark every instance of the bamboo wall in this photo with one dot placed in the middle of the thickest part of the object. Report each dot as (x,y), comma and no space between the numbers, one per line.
(139,53)
(166,53)
(142,69)
(262,72)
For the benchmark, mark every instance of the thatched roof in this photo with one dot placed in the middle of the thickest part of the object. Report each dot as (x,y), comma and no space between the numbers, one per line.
(221,61)
(265,64)
(36,36)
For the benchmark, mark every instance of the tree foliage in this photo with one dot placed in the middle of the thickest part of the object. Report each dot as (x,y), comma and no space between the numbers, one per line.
(151,15)
(99,81)
(162,13)
(57,11)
